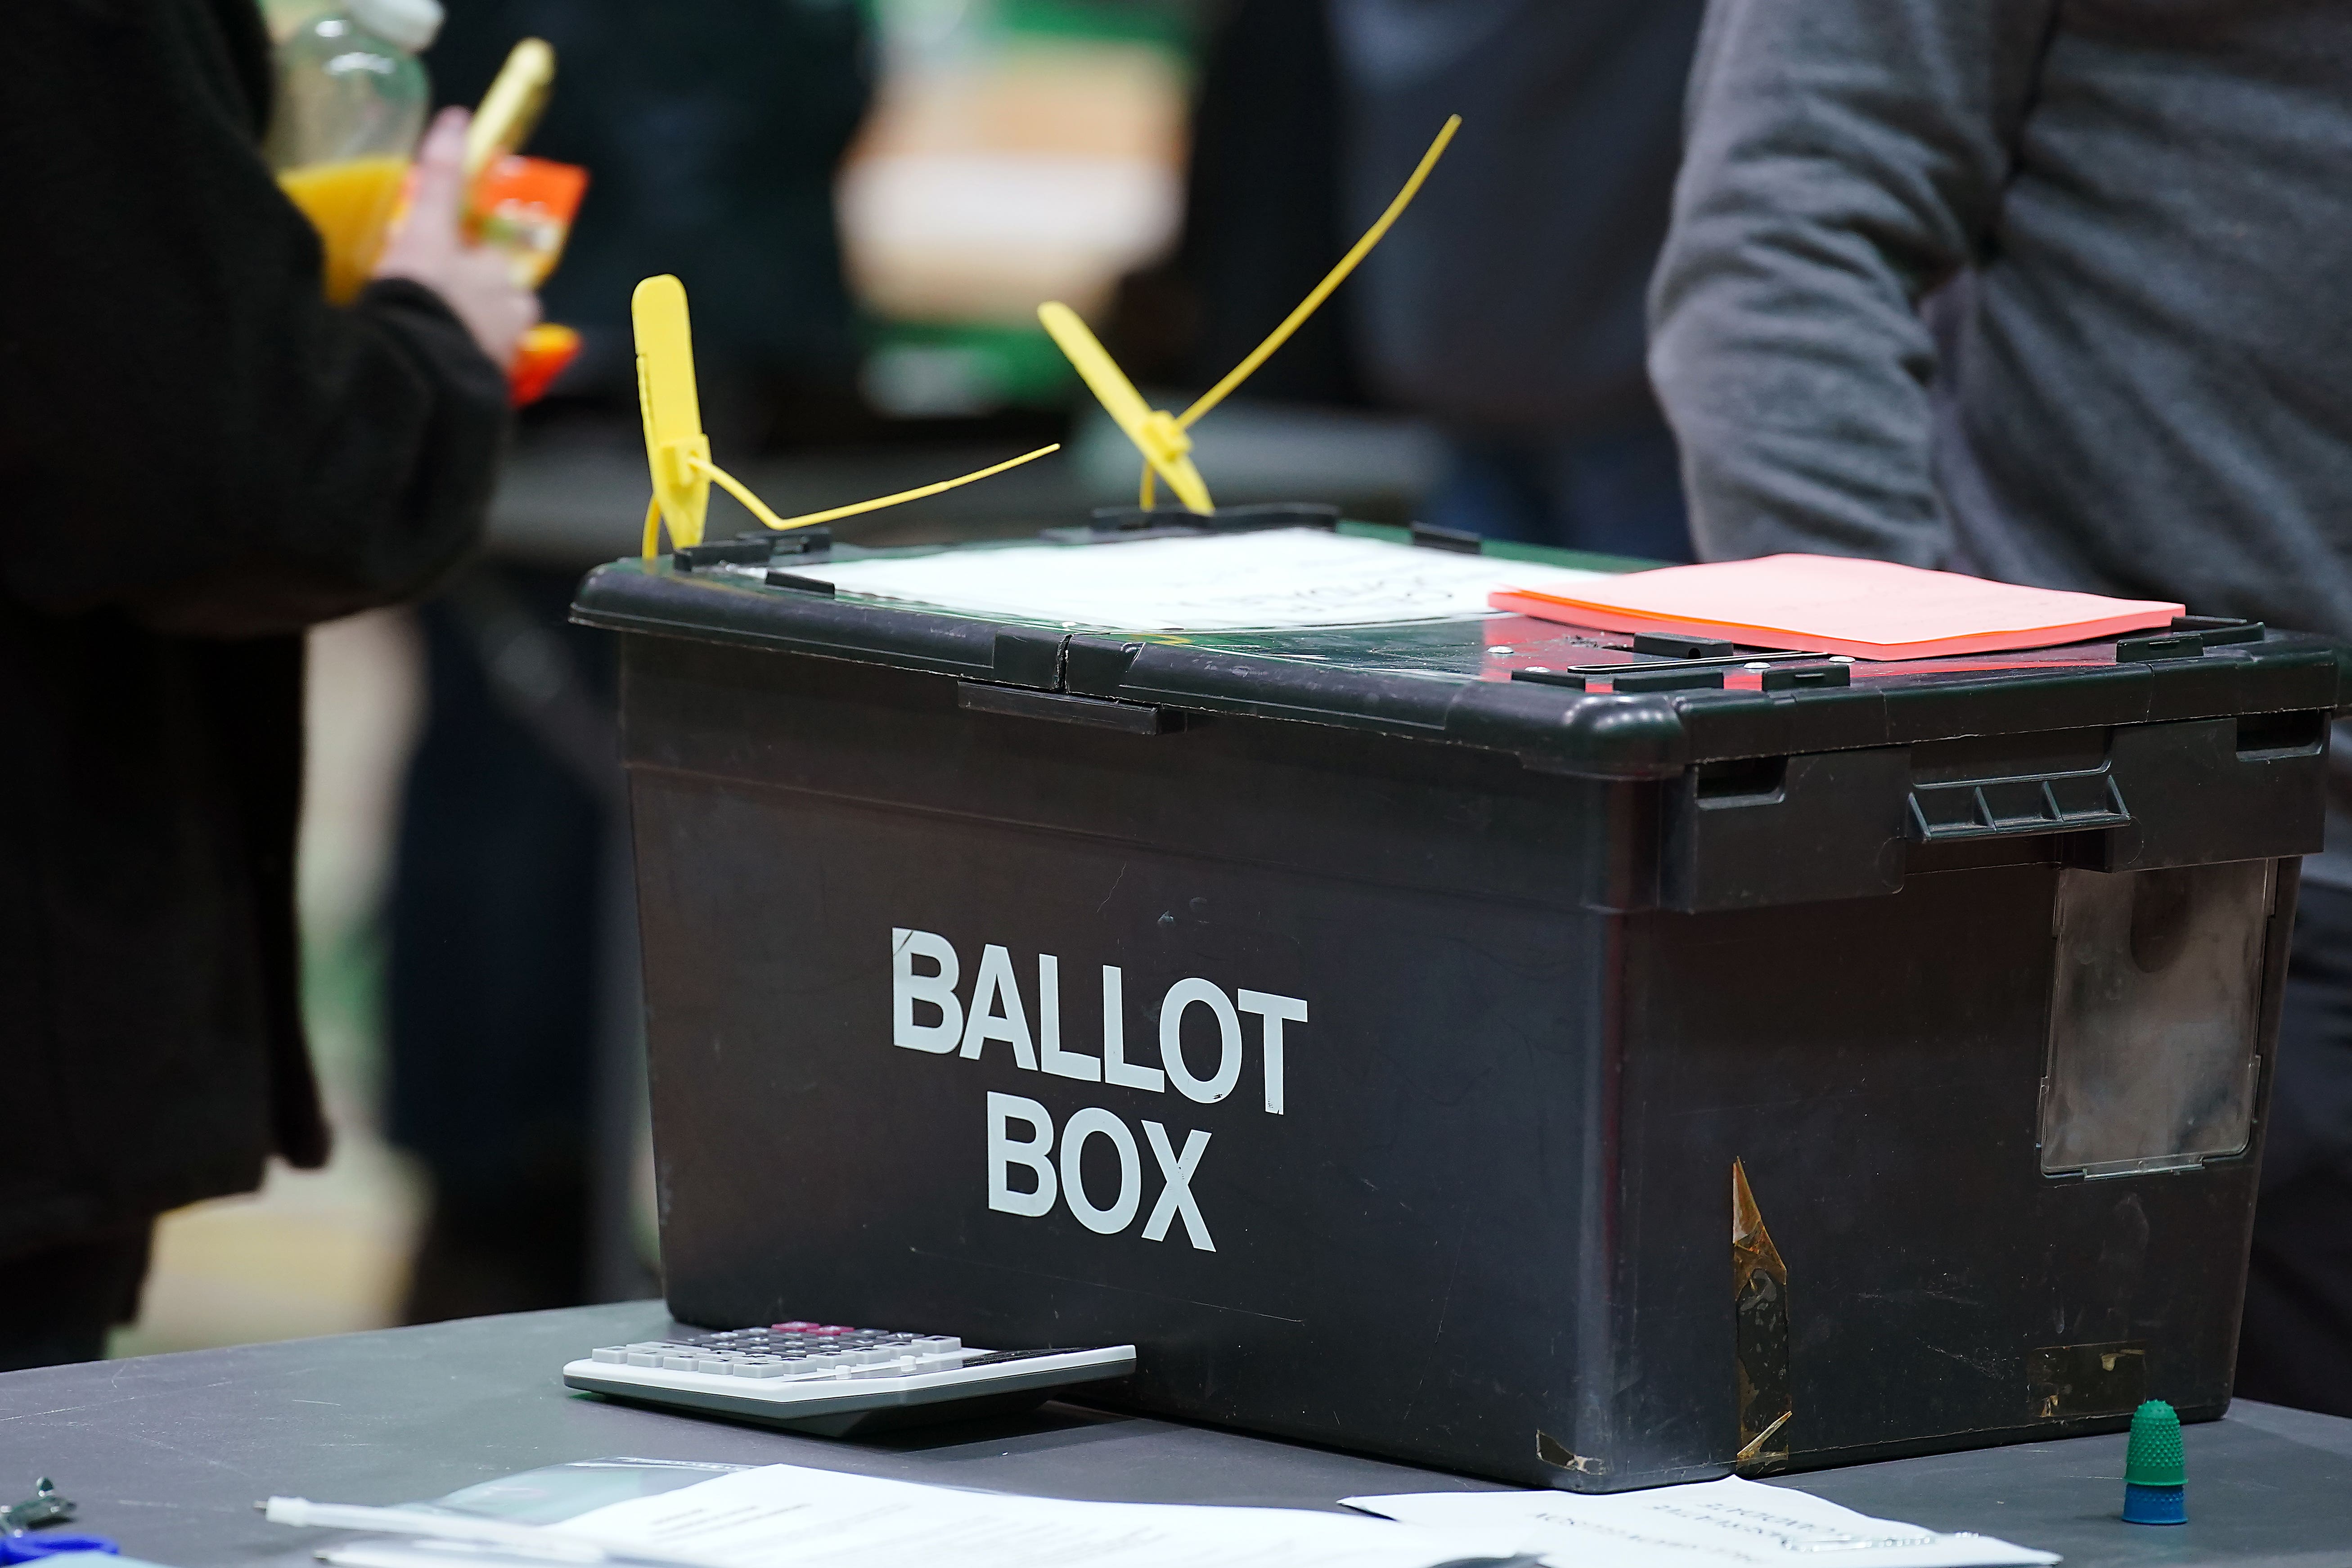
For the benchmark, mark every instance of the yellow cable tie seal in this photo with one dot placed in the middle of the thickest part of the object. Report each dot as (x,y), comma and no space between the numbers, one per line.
(759,508)
(1162,438)
(681,458)
(678,452)
(1331,280)
(1315,296)
(1155,434)
(671,407)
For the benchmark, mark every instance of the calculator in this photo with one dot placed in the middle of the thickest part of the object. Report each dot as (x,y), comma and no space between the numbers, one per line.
(834,1381)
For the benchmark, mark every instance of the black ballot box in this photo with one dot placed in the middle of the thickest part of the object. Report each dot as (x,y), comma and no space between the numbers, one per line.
(1460,1038)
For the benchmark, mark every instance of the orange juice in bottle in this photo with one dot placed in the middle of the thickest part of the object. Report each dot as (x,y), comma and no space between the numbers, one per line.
(351,105)
(350,203)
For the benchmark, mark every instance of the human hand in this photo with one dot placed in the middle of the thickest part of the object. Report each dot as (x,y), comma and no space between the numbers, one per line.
(476,282)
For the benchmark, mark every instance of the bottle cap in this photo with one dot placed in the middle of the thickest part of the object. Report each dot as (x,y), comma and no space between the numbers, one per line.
(411,24)
(2154,1458)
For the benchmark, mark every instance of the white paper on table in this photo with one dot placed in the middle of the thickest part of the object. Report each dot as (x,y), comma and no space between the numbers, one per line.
(1729,1523)
(1223,582)
(391,1551)
(785,1516)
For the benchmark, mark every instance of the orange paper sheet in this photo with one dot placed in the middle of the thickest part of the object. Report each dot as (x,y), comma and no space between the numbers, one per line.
(1832,604)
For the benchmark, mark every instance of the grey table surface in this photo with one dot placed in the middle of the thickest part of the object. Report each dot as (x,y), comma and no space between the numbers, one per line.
(167,1454)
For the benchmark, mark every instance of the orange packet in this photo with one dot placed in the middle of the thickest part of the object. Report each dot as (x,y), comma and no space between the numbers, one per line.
(524,206)
(545,350)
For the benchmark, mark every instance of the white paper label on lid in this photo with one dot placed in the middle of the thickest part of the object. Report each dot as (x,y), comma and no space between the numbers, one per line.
(1233,582)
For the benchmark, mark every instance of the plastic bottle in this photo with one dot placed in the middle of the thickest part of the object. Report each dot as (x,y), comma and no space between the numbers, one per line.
(350,106)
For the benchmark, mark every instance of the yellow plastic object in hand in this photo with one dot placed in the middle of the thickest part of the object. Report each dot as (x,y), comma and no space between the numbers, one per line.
(678,453)
(1157,435)
(511,110)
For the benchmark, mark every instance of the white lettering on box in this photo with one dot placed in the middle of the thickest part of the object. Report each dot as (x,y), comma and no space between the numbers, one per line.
(938,988)
(1201,993)
(997,1012)
(1176,1197)
(1034,1154)
(1050,1054)
(1093,1123)
(1031,1171)
(1115,1067)
(1003,1154)
(1273,1013)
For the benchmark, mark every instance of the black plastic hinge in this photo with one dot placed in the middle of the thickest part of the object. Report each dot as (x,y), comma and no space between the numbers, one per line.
(1028,658)
(1681,648)
(1668,681)
(1459,540)
(800,585)
(811,541)
(2219,631)
(1095,666)
(754,548)
(1623,682)
(1064,707)
(744,549)
(2159,645)
(1808,677)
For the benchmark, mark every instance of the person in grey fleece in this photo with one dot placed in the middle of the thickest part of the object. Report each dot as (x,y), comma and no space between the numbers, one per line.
(2052,293)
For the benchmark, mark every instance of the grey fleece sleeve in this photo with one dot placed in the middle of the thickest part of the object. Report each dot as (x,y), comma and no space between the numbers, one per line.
(1845,158)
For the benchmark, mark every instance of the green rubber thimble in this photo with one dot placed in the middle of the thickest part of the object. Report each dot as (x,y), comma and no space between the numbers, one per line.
(2154,1458)
(2156,1488)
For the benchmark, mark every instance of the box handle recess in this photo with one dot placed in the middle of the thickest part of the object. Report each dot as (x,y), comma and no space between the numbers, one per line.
(2015,807)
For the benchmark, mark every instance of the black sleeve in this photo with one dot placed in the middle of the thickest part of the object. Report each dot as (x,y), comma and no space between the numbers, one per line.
(187,429)
(1844,157)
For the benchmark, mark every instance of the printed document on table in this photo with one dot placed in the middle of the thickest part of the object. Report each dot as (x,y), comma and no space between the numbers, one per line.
(1225,582)
(785,1516)
(1728,1523)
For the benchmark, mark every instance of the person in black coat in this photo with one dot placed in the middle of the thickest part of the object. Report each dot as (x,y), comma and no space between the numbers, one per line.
(713,131)
(198,458)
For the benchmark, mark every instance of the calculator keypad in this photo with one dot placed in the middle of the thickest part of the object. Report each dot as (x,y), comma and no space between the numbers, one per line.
(796,1349)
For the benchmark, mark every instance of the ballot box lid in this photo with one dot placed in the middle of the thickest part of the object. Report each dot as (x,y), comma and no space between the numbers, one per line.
(1563,700)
